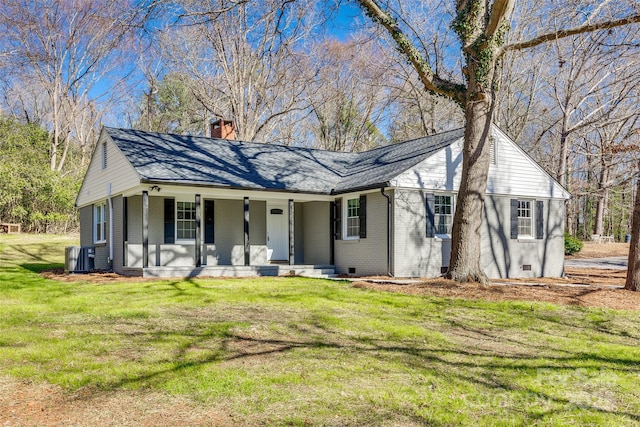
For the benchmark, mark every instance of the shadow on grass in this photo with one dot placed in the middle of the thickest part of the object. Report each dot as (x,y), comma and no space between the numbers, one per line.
(478,348)
(490,371)
(44,266)
(36,252)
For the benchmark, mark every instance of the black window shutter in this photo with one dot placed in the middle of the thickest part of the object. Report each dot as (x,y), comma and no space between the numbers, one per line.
(363,216)
(169,221)
(337,225)
(539,219)
(208,221)
(430,205)
(514,218)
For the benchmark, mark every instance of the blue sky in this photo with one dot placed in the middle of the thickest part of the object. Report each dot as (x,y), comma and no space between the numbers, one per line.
(345,21)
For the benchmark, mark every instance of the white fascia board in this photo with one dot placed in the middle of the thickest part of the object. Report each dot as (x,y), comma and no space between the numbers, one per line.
(169,190)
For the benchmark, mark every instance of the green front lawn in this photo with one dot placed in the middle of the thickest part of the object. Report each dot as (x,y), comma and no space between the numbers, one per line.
(296,350)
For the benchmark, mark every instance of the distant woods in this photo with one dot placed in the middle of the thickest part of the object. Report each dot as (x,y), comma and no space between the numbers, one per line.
(276,70)
(32,194)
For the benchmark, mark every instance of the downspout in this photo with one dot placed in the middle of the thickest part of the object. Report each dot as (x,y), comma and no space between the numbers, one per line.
(110,261)
(389,228)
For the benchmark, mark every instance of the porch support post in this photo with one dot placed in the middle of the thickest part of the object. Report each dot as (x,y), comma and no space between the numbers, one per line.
(247,254)
(332,233)
(292,260)
(145,229)
(198,232)
(125,230)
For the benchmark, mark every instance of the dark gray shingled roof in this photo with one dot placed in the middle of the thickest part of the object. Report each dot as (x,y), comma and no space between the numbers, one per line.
(191,160)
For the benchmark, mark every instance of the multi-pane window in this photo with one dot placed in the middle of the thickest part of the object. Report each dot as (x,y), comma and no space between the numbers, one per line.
(353,217)
(524,218)
(443,218)
(186,220)
(100,223)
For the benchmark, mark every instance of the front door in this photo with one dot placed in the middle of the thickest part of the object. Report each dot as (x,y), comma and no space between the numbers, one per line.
(277,232)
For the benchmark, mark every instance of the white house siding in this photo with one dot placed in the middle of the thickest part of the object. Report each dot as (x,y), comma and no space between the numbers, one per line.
(505,257)
(369,255)
(441,171)
(317,248)
(514,173)
(119,173)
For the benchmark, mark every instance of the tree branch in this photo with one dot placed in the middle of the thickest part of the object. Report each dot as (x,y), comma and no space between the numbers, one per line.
(500,10)
(581,29)
(431,82)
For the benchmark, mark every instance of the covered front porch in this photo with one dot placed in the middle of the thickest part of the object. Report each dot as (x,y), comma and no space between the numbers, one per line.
(172,231)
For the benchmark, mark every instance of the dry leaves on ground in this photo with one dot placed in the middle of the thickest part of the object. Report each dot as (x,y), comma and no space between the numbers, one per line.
(582,287)
(25,403)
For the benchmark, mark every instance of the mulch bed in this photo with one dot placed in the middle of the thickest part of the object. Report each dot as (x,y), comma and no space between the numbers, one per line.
(596,290)
(581,287)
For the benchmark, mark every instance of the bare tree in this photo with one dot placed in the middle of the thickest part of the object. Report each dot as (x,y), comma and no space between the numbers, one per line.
(66,49)
(610,166)
(586,82)
(481,26)
(247,62)
(348,97)
(418,113)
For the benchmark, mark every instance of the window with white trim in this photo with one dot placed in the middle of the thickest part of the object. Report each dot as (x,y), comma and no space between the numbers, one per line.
(100,223)
(443,213)
(353,217)
(525,218)
(185,220)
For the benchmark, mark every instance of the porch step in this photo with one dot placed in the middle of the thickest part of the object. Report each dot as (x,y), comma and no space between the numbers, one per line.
(320,276)
(315,271)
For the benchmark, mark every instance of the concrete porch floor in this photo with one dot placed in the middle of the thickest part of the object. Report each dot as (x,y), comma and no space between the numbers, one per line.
(316,271)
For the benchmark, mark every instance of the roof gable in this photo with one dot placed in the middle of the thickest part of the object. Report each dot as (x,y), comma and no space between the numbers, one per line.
(118,176)
(514,174)
(379,166)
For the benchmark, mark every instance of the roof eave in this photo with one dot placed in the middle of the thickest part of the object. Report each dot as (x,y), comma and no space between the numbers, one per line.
(229,187)
(375,186)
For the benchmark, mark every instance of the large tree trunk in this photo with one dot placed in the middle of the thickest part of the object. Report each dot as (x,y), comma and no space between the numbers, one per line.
(633,269)
(466,236)
(467,222)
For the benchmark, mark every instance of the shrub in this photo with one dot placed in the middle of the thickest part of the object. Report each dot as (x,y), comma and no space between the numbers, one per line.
(572,245)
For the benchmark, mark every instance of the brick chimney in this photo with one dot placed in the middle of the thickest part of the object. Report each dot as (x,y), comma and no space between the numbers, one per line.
(224,129)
